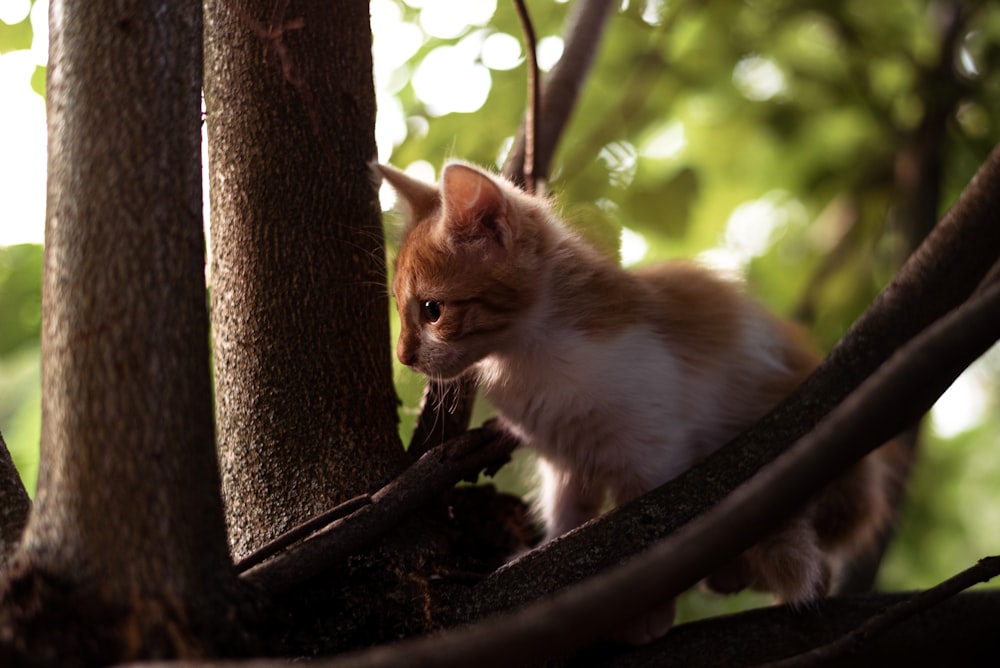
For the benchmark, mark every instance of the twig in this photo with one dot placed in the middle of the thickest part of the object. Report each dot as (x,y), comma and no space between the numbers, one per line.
(532,112)
(444,413)
(300,531)
(561,89)
(985,570)
(435,472)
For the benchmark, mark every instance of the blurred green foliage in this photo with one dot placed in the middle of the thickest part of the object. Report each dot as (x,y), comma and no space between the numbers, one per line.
(20,367)
(15,37)
(766,136)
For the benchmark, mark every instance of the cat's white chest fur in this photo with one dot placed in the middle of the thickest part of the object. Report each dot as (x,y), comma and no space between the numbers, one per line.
(614,415)
(617,414)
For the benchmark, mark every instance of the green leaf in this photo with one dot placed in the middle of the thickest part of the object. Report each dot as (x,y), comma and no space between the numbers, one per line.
(38,80)
(16,37)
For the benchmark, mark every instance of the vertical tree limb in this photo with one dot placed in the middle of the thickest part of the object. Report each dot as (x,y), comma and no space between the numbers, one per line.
(561,88)
(124,554)
(305,400)
(532,113)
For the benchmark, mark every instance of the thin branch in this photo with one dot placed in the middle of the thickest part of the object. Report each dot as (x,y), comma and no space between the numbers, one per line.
(297,533)
(14,505)
(432,474)
(959,631)
(532,113)
(986,569)
(561,89)
(445,411)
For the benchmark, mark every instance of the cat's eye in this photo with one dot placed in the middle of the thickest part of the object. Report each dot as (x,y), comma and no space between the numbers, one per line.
(432,310)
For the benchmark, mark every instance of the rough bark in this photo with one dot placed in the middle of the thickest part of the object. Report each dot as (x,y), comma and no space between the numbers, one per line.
(14,505)
(305,402)
(124,554)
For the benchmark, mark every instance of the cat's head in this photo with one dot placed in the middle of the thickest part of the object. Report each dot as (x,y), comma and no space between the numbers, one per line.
(467,267)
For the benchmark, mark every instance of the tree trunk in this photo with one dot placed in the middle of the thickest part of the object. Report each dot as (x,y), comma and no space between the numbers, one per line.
(124,554)
(305,401)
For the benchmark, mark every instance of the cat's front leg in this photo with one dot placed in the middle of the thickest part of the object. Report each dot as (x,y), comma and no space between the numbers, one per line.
(566,499)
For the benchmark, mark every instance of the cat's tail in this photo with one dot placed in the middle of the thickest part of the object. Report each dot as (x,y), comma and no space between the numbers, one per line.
(801,561)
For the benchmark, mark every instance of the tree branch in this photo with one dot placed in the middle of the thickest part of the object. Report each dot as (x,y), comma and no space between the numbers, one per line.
(985,570)
(435,472)
(561,89)
(300,531)
(531,114)
(14,505)
(958,632)
(445,411)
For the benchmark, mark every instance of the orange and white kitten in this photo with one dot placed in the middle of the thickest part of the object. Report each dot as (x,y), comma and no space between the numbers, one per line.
(620,380)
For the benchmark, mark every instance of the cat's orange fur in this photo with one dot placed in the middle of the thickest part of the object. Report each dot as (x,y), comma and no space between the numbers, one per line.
(620,380)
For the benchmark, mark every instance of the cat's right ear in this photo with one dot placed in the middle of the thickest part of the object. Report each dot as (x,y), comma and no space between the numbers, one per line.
(475,207)
(419,199)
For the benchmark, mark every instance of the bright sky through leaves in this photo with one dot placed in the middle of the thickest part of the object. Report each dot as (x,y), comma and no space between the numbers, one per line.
(22,130)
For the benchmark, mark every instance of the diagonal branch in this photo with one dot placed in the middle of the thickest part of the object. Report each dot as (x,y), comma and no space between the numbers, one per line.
(984,570)
(438,470)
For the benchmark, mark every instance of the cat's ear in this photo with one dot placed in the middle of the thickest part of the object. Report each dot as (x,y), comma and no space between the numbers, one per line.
(419,199)
(475,207)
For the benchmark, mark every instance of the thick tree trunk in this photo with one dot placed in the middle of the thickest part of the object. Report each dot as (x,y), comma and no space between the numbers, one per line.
(124,554)
(305,400)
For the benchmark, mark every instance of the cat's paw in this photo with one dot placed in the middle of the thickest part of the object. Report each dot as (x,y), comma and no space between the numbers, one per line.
(648,627)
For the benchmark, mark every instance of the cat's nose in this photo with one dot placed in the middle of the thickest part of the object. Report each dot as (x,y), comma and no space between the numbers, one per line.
(407,354)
